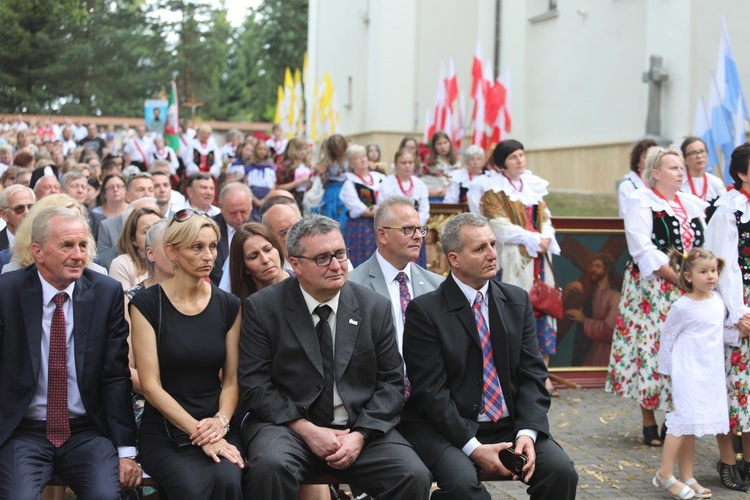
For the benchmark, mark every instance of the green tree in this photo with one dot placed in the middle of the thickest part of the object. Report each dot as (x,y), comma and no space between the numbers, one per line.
(274,36)
(200,54)
(118,57)
(32,33)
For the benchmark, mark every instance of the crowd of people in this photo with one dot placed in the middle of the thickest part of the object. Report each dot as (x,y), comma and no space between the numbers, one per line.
(237,320)
(269,316)
(680,338)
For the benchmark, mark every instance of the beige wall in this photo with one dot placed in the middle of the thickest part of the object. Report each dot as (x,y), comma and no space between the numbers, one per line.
(585,169)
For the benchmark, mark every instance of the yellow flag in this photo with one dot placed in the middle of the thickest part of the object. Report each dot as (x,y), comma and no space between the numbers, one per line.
(279,102)
(315,114)
(289,94)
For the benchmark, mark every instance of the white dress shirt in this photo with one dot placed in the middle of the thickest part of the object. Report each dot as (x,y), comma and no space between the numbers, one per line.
(225,284)
(390,273)
(38,408)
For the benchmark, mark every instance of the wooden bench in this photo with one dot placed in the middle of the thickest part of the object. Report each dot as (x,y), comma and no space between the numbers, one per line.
(320,479)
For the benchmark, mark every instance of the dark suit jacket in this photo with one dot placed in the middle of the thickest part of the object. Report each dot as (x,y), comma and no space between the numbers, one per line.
(222,251)
(444,356)
(4,243)
(281,370)
(370,274)
(101,351)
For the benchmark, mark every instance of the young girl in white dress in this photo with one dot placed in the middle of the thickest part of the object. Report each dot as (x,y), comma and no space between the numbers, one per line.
(691,351)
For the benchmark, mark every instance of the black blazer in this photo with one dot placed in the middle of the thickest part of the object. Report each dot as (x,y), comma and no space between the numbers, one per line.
(4,243)
(101,351)
(281,370)
(444,360)
(222,251)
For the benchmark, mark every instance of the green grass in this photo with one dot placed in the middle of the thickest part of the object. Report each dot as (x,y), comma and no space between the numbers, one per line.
(582,205)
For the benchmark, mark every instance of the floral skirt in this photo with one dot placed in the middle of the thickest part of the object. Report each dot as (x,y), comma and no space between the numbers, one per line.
(359,236)
(738,382)
(633,372)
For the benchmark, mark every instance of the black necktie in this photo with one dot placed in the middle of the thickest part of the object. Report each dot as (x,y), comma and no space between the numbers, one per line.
(321,411)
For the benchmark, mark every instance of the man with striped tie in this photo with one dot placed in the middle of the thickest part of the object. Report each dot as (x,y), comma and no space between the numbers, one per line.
(477,376)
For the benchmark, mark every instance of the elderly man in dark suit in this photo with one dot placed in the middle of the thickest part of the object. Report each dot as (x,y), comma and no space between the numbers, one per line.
(236,202)
(477,376)
(391,271)
(314,408)
(64,376)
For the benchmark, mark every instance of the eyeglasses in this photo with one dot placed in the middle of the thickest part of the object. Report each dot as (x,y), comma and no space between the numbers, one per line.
(20,209)
(325,259)
(699,152)
(187,213)
(410,231)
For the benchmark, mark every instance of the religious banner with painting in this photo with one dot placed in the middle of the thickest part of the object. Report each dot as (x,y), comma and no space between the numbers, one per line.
(590,271)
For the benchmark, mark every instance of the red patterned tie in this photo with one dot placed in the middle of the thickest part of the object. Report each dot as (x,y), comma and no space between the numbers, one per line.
(58,425)
(405,296)
(492,397)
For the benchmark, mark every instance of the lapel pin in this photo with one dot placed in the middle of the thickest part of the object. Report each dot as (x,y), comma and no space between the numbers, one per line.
(353,322)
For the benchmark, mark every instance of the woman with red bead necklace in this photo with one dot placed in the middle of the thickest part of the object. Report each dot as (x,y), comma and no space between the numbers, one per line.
(656,220)
(403,183)
(359,195)
(513,202)
(698,182)
(728,236)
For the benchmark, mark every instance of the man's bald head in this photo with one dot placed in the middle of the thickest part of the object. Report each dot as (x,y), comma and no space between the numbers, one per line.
(279,218)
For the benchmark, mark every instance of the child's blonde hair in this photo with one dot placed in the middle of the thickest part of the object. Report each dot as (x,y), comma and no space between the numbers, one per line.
(683,263)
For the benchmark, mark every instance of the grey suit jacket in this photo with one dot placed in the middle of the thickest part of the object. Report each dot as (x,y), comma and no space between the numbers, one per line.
(109,231)
(370,275)
(281,369)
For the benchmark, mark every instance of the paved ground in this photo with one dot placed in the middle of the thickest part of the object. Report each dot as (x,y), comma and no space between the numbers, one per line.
(602,434)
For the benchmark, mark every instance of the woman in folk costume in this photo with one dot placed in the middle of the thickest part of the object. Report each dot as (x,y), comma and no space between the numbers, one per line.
(728,236)
(632,180)
(204,155)
(697,181)
(657,219)
(160,151)
(359,194)
(514,204)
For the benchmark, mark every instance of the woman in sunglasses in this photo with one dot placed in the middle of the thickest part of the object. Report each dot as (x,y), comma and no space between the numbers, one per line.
(185,334)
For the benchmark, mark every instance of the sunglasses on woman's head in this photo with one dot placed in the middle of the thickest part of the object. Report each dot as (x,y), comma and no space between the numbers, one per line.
(187,213)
